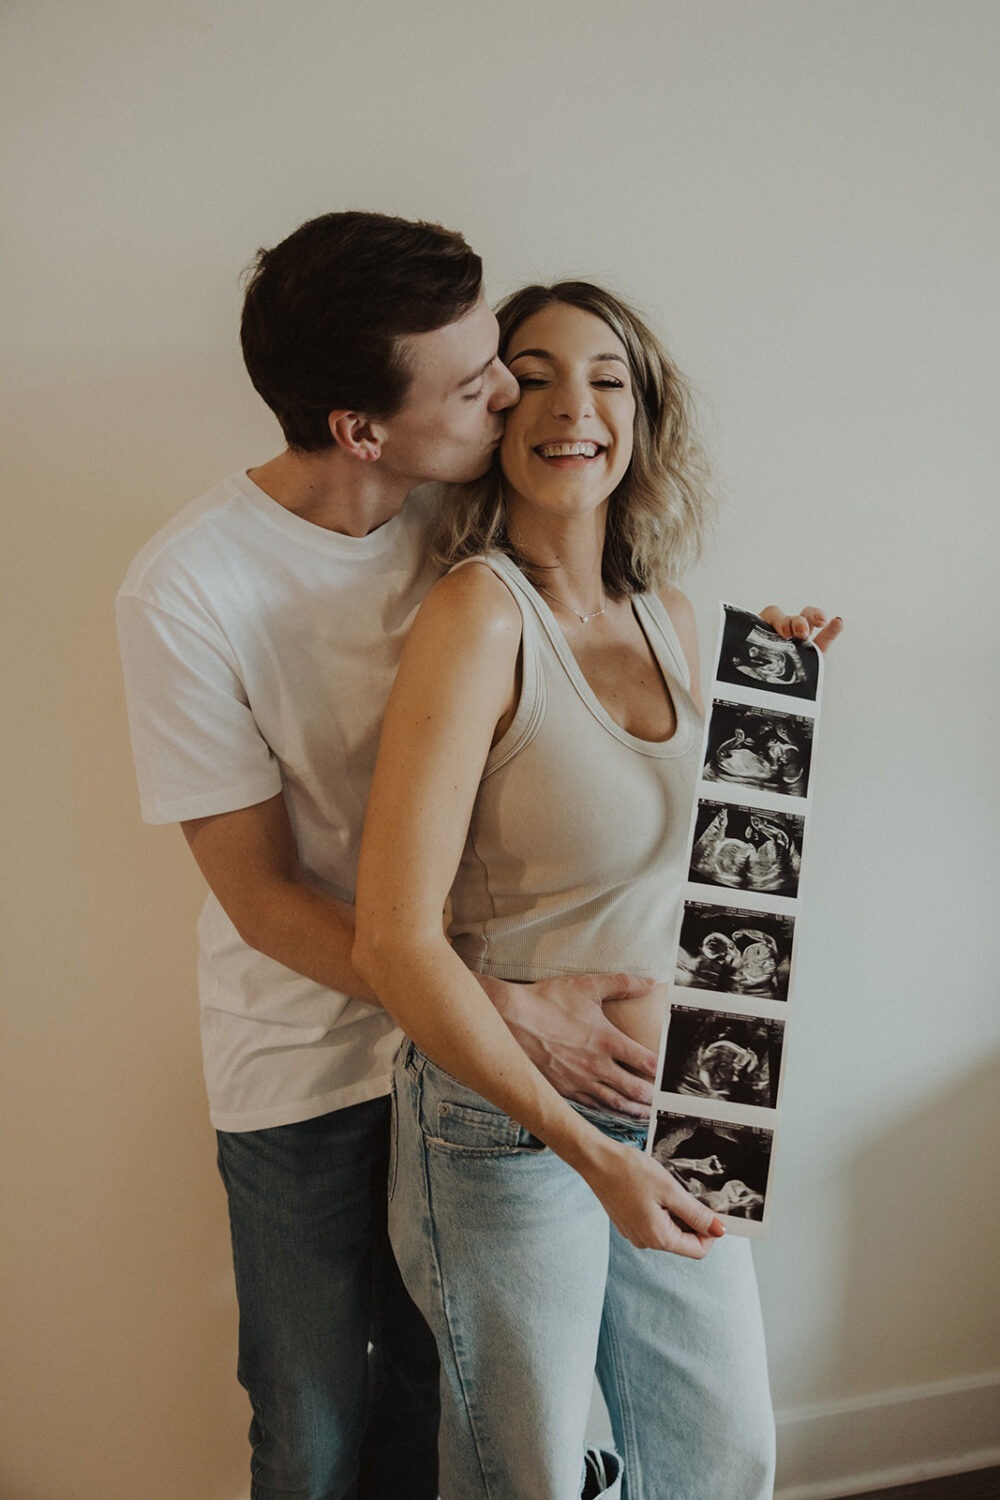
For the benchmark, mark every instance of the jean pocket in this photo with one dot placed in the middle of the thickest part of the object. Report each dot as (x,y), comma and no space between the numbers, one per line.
(480,1132)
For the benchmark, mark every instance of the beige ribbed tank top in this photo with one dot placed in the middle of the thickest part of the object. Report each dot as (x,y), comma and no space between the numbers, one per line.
(575,860)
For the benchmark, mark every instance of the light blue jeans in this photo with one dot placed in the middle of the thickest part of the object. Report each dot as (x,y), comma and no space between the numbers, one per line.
(529,1289)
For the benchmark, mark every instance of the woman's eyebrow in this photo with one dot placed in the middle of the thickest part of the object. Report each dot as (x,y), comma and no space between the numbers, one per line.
(545,354)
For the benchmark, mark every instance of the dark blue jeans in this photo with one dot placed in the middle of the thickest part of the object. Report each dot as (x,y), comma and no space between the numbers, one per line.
(340,1367)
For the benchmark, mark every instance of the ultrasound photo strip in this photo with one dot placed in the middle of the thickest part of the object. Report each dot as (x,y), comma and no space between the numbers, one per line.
(751,654)
(723,1055)
(722,1049)
(767,749)
(744,848)
(735,950)
(726,1165)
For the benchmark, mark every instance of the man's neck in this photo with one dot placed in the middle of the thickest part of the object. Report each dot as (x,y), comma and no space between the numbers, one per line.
(331,489)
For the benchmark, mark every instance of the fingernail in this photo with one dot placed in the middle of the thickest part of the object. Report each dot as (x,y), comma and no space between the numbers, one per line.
(717,1228)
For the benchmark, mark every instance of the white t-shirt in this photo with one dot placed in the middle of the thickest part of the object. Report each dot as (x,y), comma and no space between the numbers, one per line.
(259,651)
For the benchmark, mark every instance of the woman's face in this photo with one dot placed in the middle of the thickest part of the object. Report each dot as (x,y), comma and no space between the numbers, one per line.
(568,442)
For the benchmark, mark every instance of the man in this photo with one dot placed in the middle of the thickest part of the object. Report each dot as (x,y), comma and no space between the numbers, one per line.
(260,631)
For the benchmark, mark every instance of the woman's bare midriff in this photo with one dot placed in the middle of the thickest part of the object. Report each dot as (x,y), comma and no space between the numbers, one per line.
(641,1019)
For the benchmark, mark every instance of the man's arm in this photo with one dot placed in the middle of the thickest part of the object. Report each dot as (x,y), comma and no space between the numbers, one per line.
(251,864)
(562,1027)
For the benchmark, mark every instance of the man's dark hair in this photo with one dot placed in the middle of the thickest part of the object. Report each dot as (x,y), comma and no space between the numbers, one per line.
(324,312)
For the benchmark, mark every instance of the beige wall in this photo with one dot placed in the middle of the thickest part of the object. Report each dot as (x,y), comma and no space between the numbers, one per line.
(803,196)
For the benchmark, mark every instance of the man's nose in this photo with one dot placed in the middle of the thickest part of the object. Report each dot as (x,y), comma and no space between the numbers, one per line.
(507,393)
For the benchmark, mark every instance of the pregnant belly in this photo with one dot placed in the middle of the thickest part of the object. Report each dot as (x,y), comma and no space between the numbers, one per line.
(641,1019)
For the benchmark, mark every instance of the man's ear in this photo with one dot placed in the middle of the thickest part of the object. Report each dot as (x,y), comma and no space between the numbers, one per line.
(360,436)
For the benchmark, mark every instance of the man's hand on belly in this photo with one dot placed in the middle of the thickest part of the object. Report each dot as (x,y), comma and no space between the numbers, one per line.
(561,1026)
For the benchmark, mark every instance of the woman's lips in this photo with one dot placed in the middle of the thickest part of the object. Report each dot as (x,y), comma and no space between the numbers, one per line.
(569,454)
(582,449)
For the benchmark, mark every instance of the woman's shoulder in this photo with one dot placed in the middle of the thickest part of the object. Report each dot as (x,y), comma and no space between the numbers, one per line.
(679,607)
(474,595)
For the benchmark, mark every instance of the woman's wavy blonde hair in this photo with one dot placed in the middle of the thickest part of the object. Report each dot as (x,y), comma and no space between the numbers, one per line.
(658,514)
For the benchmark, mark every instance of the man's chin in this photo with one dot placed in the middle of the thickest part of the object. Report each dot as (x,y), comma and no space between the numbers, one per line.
(474,472)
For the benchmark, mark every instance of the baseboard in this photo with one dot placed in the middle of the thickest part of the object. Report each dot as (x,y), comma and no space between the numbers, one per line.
(841,1448)
(835,1449)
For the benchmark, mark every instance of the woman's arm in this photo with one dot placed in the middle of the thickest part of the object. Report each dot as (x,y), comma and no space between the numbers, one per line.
(455,685)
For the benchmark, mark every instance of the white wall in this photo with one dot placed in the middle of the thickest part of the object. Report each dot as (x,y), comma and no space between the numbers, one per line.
(802,194)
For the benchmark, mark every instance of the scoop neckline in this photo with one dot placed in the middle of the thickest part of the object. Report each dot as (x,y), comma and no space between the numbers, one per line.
(679,742)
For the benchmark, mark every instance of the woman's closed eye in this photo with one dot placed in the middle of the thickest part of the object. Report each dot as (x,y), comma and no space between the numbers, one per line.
(599,382)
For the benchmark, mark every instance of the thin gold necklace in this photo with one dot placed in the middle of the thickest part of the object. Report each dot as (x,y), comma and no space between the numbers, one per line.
(584,619)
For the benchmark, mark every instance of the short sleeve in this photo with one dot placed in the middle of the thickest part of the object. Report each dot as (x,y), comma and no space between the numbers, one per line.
(197,747)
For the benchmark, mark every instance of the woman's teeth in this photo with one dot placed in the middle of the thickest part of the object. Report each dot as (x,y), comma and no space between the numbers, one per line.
(568,450)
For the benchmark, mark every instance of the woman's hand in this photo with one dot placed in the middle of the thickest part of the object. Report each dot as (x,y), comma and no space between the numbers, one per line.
(801,626)
(648,1205)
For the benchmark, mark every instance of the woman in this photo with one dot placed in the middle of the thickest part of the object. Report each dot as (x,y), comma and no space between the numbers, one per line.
(538,761)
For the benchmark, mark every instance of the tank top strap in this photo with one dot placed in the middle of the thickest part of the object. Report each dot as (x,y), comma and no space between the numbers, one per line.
(531,701)
(657,615)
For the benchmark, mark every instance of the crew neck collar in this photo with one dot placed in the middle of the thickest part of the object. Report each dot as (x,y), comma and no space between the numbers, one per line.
(308,533)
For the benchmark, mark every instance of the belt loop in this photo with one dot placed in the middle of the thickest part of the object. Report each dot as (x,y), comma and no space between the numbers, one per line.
(412,1058)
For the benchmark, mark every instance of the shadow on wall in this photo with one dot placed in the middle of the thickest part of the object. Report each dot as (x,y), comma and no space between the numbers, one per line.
(920,1323)
(923,1245)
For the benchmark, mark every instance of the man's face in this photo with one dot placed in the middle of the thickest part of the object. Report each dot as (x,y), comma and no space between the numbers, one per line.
(451,421)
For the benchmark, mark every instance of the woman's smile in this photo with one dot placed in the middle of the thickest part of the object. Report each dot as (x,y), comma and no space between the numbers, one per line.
(569,455)
(568,442)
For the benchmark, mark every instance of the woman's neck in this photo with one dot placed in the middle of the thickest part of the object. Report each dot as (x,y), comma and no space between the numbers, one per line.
(566,551)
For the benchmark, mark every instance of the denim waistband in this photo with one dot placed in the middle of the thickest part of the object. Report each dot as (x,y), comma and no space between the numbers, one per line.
(607,1120)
